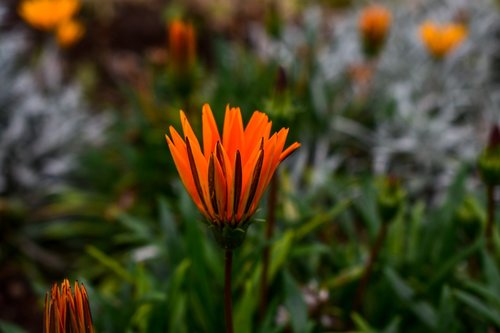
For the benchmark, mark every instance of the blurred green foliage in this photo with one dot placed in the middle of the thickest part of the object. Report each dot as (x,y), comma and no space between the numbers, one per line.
(125,226)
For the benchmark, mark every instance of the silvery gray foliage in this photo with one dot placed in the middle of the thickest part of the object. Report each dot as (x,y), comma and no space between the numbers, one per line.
(443,109)
(44,121)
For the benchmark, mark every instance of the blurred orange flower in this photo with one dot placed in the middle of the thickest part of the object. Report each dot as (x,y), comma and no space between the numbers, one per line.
(227,179)
(69,33)
(66,311)
(374,24)
(442,39)
(182,44)
(47,14)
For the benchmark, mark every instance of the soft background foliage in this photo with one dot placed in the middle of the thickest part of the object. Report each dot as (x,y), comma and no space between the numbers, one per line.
(89,192)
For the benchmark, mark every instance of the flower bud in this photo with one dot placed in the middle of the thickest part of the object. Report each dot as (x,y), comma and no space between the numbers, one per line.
(440,40)
(468,216)
(181,45)
(48,14)
(67,310)
(281,80)
(390,198)
(374,24)
(489,160)
(69,33)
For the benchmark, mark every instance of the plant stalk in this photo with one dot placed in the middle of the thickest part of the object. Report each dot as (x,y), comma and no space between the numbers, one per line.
(490,197)
(360,293)
(228,302)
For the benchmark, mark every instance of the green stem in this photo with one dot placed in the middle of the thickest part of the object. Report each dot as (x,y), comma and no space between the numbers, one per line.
(228,302)
(360,293)
(490,197)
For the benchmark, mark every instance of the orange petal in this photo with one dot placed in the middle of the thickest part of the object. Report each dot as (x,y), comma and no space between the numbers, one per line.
(294,146)
(258,127)
(180,158)
(238,174)
(188,132)
(210,131)
(250,194)
(232,136)
(228,171)
(220,188)
(199,171)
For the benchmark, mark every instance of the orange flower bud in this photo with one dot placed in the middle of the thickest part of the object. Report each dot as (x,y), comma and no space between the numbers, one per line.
(374,24)
(182,44)
(47,14)
(67,311)
(442,39)
(69,33)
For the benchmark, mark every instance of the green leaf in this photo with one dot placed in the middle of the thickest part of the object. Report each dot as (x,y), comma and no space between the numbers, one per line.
(279,253)
(245,308)
(403,290)
(345,277)
(200,274)
(361,324)
(396,240)
(441,225)
(367,207)
(421,309)
(484,291)
(295,304)
(172,237)
(478,306)
(446,318)
(451,264)
(393,326)
(176,298)
(110,263)
(492,273)
(6,327)
(426,313)
(414,234)
(135,225)
(321,219)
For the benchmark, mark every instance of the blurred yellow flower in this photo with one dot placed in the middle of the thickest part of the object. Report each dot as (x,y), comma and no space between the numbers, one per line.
(69,33)
(374,24)
(48,14)
(442,39)
(181,44)
(67,311)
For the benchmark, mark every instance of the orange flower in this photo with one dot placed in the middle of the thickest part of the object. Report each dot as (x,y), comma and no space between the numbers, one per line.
(69,33)
(47,14)
(374,24)
(182,44)
(66,311)
(229,176)
(442,39)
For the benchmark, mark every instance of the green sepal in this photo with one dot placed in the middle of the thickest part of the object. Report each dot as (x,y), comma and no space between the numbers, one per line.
(489,166)
(470,217)
(229,237)
(390,198)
